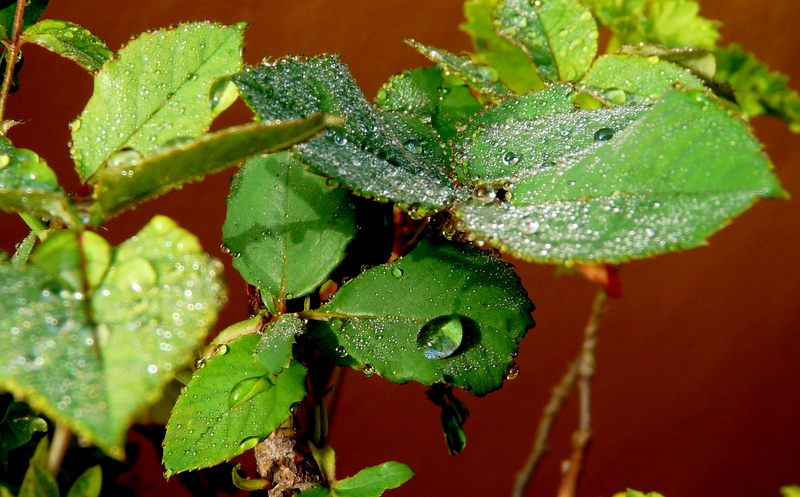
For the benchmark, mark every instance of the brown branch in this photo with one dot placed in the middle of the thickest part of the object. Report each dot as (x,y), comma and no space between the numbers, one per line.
(12,52)
(586,366)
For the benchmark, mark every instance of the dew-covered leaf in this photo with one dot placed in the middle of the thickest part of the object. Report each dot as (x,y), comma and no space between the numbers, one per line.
(129,179)
(28,185)
(274,350)
(157,89)
(758,90)
(699,61)
(511,62)
(483,78)
(667,182)
(560,36)
(526,135)
(425,93)
(159,299)
(286,228)
(363,154)
(632,79)
(71,41)
(78,258)
(33,11)
(88,484)
(399,320)
(204,430)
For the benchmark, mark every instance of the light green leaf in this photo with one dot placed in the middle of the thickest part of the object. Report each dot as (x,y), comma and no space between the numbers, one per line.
(88,484)
(129,179)
(204,430)
(667,182)
(71,41)
(636,493)
(426,94)
(28,185)
(511,62)
(388,320)
(790,491)
(33,11)
(699,61)
(157,89)
(363,154)
(78,258)
(758,90)
(158,300)
(274,350)
(483,78)
(38,482)
(631,79)
(287,230)
(560,36)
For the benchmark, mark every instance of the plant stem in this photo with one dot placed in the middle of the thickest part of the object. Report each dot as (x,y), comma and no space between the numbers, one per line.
(58,448)
(35,224)
(582,367)
(540,448)
(12,50)
(586,368)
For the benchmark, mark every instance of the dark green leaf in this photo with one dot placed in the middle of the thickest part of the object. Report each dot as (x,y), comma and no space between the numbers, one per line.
(71,41)
(386,319)
(78,258)
(28,185)
(426,94)
(88,484)
(274,350)
(204,430)
(17,427)
(364,154)
(33,11)
(129,179)
(158,88)
(286,228)
(483,78)
(666,182)
(758,90)
(631,79)
(38,481)
(560,36)
(511,62)
(453,431)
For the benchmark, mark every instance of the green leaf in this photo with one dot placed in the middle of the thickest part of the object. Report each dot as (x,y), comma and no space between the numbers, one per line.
(758,90)
(369,482)
(287,230)
(38,482)
(79,259)
(511,62)
(156,304)
(28,185)
(560,36)
(33,11)
(628,79)
(129,179)
(524,136)
(636,493)
(204,430)
(71,41)
(483,78)
(274,350)
(364,154)
(453,430)
(672,23)
(425,94)
(88,484)
(667,182)
(158,88)
(17,427)
(790,491)
(388,320)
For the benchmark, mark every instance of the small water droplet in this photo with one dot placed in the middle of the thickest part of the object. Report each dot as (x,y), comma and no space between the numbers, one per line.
(223,349)
(414,146)
(513,371)
(603,134)
(341,351)
(294,407)
(340,139)
(368,370)
(397,272)
(441,336)
(249,443)
(510,158)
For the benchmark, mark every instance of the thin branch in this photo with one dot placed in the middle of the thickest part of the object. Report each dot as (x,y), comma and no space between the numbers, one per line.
(58,448)
(540,446)
(586,367)
(12,51)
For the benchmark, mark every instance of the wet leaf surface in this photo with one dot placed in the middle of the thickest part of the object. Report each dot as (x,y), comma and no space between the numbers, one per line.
(71,41)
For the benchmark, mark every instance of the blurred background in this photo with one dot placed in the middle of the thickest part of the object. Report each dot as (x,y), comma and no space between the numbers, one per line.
(697,389)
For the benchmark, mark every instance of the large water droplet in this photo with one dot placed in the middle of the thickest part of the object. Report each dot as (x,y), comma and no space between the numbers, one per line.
(397,272)
(441,336)
(247,389)
(124,157)
(603,134)
(249,443)
(510,158)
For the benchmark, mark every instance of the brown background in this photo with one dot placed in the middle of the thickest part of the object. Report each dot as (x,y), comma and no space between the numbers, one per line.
(698,384)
